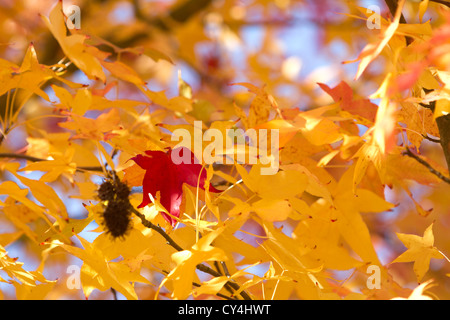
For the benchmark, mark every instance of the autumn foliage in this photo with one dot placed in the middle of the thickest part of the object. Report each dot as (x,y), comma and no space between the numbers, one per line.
(93,207)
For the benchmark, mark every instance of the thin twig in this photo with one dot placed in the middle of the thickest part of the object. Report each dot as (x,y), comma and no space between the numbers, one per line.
(195,284)
(158,229)
(114,293)
(409,153)
(393,5)
(177,247)
(34,159)
(425,136)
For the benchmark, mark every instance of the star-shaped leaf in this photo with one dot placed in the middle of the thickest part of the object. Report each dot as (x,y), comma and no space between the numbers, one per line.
(420,250)
(163,175)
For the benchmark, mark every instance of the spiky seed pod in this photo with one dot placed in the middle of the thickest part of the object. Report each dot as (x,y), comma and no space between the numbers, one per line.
(116,217)
(106,191)
(122,190)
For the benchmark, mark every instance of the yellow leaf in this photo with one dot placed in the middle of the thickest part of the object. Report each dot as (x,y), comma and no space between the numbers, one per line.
(347,205)
(355,232)
(96,129)
(54,169)
(260,107)
(123,72)
(325,241)
(184,89)
(322,131)
(300,208)
(134,175)
(82,101)
(7,238)
(442,108)
(37,292)
(418,121)
(73,45)
(187,260)
(327,158)
(366,201)
(372,50)
(212,286)
(13,269)
(216,284)
(157,55)
(108,276)
(47,196)
(291,255)
(71,227)
(272,210)
(315,186)
(182,275)
(418,292)
(286,130)
(282,185)
(177,104)
(13,190)
(420,250)
(78,104)
(422,9)
(29,76)
(20,215)
(366,154)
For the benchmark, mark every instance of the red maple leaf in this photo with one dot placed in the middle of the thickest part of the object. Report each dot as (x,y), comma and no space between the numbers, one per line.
(163,175)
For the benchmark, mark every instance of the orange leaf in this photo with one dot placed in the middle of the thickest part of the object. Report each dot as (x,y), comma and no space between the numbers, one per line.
(373,50)
(123,72)
(83,56)
(134,175)
(286,130)
(343,93)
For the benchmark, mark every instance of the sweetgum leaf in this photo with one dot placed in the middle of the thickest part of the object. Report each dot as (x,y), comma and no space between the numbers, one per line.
(163,175)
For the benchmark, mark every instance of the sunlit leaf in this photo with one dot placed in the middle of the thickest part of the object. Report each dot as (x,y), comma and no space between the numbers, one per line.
(420,250)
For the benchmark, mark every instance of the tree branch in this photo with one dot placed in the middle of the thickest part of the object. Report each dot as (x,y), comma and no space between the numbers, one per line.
(392,5)
(443,122)
(34,159)
(158,229)
(425,136)
(409,153)
(177,247)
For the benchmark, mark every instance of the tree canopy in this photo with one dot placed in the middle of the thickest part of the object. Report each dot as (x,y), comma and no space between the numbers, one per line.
(225,149)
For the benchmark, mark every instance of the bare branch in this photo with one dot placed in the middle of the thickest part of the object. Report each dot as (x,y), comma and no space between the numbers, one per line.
(34,159)
(425,136)
(172,243)
(409,153)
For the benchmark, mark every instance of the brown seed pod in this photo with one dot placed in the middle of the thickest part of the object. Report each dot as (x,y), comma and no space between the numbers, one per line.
(116,218)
